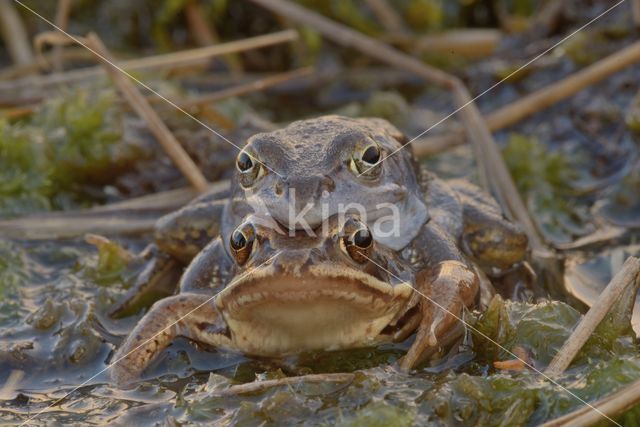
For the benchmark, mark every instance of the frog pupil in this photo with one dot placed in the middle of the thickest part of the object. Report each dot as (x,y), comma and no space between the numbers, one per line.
(362,238)
(244,162)
(238,241)
(371,155)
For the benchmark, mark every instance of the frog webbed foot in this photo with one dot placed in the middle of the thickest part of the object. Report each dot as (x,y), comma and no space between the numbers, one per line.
(444,291)
(185,232)
(189,315)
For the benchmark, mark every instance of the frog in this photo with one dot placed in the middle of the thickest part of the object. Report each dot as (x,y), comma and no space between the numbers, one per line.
(276,294)
(333,140)
(314,168)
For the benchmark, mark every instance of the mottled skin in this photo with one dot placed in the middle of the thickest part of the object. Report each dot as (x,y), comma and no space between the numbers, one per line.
(311,161)
(315,156)
(320,170)
(281,294)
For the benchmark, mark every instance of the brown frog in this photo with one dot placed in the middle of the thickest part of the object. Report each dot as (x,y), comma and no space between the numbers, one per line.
(297,175)
(459,216)
(282,294)
(316,168)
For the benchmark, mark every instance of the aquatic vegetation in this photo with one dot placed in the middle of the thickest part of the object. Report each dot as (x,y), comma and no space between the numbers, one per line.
(69,145)
(112,264)
(12,277)
(424,14)
(387,105)
(24,181)
(544,179)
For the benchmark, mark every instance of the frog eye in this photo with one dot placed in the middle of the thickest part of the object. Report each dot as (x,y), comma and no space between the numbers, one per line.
(250,169)
(241,242)
(366,161)
(371,155)
(357,240)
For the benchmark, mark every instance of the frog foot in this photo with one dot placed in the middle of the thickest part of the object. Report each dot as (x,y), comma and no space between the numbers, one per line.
(446,291)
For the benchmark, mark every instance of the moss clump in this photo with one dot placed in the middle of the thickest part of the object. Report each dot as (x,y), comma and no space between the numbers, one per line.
(499,397)
(112,263)
(12,277)
(544,178)
(55,160)
(24,170)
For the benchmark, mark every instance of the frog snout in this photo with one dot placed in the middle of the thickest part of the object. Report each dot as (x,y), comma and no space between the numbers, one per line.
(305,189)
(292,261)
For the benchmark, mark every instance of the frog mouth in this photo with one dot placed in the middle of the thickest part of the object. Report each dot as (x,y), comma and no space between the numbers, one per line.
(328,307)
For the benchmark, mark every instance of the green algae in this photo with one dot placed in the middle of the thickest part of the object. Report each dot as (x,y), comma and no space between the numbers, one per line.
(51,160)
(544,177)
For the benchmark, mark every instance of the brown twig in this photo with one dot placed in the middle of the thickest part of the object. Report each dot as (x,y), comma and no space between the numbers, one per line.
(62,21)
(15,113)
(157,127)
(565,88)
(204,33)
(471,43)
(14,33)
(494,169)
(70,225)
(541,99)
(43,62)
(166,61)
(627,276)
(612,406)
(21,111)
(259,386)
(635,10)
(133,216)
(386,15)
(245,88)
(431,145)
(201,32)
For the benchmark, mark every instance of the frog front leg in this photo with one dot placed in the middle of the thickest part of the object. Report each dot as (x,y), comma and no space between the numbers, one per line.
(179,237)
(208,271)
(490,238)
(185,232)
(157,280)
(193,316)
(444,287)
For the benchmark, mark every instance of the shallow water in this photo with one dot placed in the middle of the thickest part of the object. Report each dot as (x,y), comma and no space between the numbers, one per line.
(56,337)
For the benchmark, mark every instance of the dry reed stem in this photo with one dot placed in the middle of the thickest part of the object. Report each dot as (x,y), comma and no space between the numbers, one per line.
(627,276)
(61,20)
(539,100)
(167,61)
(14,34)
(259,386)
(157,127)
(245,88)
(612,406)
(386,15)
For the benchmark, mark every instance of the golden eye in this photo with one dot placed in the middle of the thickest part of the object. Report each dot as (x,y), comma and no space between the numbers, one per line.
(366,161)
(357,240)
(250,170)
(241,242)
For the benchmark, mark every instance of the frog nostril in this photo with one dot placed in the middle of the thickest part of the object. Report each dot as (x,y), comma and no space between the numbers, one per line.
(327,185)
(279,189)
